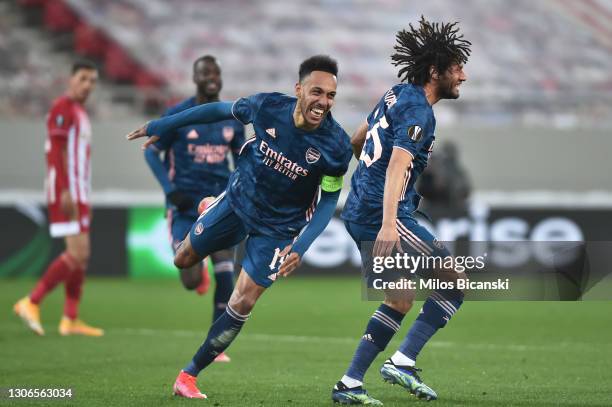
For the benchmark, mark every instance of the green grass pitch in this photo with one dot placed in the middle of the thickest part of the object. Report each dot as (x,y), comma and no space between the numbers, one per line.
(297,343)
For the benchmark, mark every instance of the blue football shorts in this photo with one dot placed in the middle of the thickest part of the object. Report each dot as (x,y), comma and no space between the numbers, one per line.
(416,241)
(219,227)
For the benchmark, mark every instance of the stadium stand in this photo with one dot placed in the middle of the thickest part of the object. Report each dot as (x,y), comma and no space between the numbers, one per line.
(152,43)
(34,62)
(28,76)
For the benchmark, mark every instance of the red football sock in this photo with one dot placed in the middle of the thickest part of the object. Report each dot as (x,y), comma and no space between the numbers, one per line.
(74,284)
(57,271)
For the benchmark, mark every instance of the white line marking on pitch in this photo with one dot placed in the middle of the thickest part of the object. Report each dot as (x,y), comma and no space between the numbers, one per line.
(572,346)
(354,341)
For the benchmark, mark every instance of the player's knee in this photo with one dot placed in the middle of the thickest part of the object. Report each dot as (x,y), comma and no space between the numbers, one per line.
(185,257)
(180,260)
(403,305)
(456,278)
(79,249)
(184,261)
(80,256)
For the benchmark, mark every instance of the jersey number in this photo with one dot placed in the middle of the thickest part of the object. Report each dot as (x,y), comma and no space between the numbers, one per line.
(277,260)
(372,134)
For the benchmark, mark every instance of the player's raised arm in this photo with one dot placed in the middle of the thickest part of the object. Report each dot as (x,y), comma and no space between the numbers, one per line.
(358,139)
(162,127)
(388,237)
(330,192)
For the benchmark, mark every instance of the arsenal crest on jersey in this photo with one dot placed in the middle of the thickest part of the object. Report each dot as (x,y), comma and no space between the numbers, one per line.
(312,155)
(228,133)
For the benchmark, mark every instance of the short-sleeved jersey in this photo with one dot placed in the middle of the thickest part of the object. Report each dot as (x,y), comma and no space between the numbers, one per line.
(69,131)
(275,187)
(196,155)
(404,119)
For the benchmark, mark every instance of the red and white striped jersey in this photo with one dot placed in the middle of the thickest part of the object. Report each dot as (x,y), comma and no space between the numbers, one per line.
(69,130)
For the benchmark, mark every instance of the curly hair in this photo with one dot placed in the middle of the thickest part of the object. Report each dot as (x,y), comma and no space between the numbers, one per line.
(430,44)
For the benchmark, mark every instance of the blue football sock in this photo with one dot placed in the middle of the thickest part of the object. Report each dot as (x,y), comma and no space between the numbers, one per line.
(382,326)
(221,334)
(436,312)
(224,277)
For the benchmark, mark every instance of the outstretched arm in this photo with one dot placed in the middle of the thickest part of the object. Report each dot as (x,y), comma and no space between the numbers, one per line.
(321,217)
(162,127)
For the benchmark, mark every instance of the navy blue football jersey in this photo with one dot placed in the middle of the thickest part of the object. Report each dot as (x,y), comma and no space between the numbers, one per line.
(196,155)
(403,118)
(275,187)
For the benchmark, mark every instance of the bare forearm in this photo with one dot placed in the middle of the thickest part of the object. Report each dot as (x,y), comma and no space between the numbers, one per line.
(358,139)
(393,189)
(394,182)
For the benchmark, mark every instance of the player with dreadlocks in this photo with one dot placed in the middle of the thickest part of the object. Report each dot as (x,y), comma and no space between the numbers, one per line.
(393,147)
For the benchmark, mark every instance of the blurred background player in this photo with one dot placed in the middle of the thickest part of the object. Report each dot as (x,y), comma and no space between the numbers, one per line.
(196,166)
(394,145)
(68,184)
(445,184)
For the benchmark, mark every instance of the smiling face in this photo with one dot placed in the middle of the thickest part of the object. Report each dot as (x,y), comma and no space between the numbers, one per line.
(450,81)
(82,83)
(316,94)
(207,77)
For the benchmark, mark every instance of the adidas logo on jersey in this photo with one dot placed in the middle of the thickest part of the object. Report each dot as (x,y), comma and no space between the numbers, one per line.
(192,135)
(271,132)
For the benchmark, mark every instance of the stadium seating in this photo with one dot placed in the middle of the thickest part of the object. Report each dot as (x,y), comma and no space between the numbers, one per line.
(530,59)
(28,78)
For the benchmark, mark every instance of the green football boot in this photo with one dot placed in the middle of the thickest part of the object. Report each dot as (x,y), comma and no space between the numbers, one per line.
(408,378)
(356,395)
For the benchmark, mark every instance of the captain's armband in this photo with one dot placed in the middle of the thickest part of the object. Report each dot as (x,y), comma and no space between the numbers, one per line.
(331,184)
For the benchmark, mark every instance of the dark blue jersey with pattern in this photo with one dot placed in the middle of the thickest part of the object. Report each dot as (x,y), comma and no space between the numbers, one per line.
(275,187)
(404,119)
(196,155)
